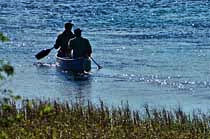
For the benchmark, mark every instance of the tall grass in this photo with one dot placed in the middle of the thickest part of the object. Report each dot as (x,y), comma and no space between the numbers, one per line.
(53,120)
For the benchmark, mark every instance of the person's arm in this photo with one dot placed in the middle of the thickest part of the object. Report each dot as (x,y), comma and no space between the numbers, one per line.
(89,49)
(57,42)
(69,48)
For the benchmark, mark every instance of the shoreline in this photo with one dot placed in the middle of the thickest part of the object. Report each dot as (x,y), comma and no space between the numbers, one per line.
(51,119)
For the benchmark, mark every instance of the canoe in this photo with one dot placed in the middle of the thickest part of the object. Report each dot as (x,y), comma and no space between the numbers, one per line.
(80,65)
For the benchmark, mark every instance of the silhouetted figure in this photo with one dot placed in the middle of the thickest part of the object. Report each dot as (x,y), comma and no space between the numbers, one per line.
(80,46)
(63,39)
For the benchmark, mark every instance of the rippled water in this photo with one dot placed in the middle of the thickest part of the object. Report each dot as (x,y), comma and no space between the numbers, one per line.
(154,52)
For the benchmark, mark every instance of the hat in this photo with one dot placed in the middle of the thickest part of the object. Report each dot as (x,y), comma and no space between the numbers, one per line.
(78,30)
(68,24)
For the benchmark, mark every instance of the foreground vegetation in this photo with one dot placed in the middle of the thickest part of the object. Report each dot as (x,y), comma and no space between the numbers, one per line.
(3,38)
(5,68)
(45,119)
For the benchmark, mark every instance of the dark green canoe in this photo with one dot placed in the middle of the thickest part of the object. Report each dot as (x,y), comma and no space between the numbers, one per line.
(79,65)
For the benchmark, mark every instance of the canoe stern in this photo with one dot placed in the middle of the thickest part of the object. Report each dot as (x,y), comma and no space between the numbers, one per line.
(74,65)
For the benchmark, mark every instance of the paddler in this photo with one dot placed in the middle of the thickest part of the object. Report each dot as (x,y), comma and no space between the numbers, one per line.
(80,46)
(63,39)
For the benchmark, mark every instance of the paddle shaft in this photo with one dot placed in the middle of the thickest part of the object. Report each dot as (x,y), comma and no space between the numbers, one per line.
(99,67)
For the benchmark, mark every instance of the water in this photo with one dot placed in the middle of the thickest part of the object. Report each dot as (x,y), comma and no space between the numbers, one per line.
(154,52)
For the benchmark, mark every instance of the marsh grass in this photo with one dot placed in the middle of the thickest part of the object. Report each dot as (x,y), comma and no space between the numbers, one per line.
(53,120)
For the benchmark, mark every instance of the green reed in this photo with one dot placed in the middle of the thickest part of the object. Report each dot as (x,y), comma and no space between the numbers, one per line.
(53,120)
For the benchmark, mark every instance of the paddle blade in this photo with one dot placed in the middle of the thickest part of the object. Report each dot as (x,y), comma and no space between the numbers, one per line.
(100,67)
(43,53)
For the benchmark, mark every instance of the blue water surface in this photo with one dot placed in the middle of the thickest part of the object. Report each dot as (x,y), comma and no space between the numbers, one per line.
(152,52)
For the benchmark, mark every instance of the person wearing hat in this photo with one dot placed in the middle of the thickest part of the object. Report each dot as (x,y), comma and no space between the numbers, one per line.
(62,40)
(80,46)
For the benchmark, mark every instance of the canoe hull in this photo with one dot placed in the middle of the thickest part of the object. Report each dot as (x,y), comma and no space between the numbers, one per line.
(73,65)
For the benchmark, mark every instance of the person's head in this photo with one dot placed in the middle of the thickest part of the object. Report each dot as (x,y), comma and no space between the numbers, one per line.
(68,26)
(78,32)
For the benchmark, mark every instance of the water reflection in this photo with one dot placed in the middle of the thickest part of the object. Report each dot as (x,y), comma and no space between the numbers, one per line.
(74,89)
(63,85)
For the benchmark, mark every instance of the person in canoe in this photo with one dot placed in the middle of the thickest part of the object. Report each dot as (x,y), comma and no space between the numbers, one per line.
(80,46)
(63,39)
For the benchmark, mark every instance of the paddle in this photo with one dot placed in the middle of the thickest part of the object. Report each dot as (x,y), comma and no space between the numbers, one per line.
(43,53)
(99,67)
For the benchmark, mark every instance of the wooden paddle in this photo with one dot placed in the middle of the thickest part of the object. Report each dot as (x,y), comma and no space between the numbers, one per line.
(99,67)
(43,53)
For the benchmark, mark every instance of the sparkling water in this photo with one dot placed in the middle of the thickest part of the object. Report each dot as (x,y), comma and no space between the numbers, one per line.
(154,52)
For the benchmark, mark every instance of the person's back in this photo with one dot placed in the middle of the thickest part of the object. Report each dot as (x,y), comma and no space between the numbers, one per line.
(63,39)
(80,46)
